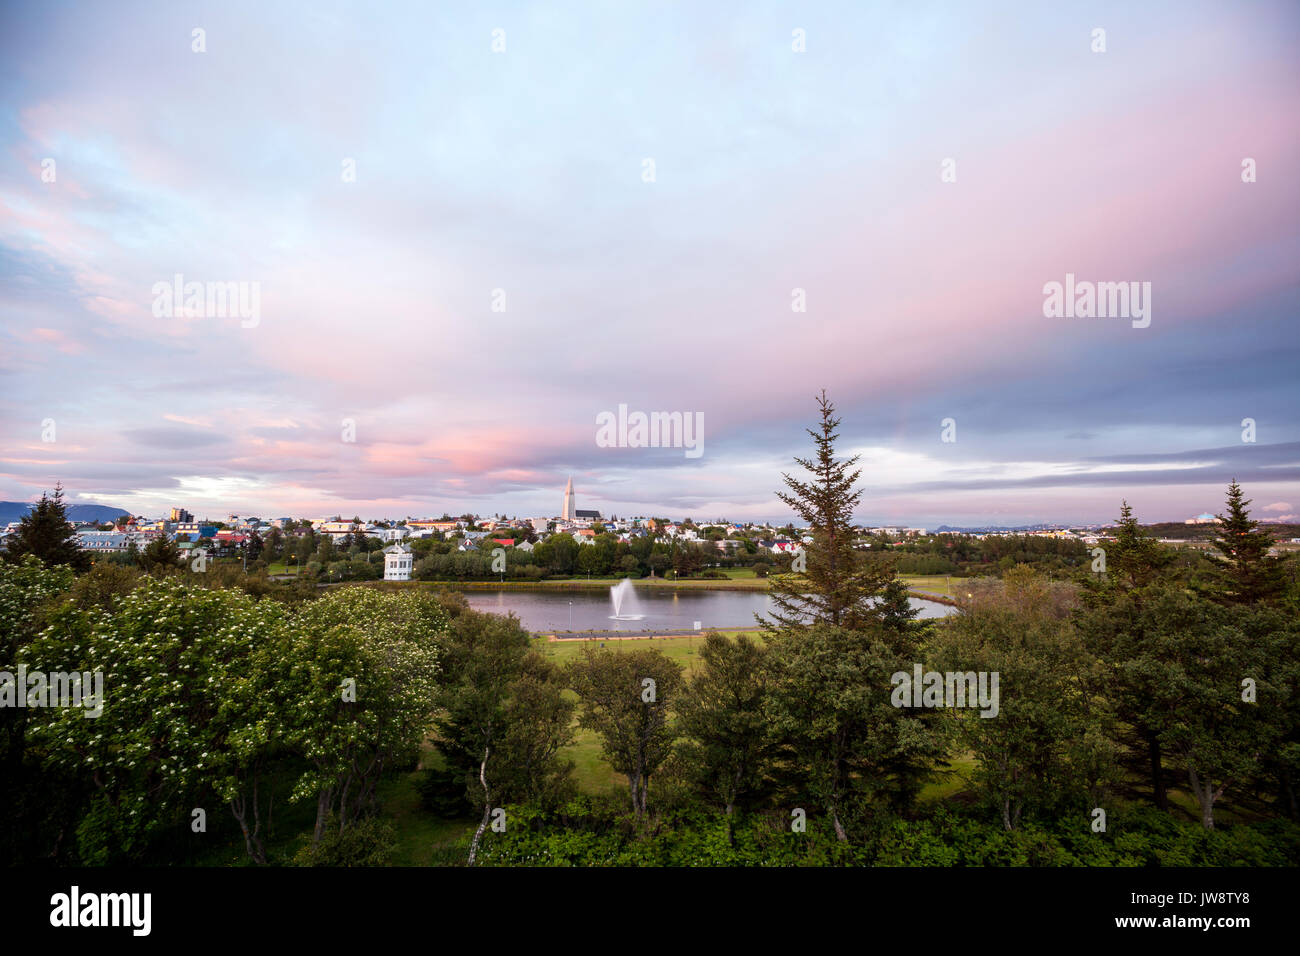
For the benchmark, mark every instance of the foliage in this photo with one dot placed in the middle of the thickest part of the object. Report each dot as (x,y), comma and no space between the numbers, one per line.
(45,532)
(625,699)
(839,584)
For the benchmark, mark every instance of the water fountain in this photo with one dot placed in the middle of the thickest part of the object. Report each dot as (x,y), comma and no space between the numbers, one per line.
(620,594)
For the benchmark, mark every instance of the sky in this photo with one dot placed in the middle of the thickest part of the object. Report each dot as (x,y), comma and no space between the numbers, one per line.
(463,256)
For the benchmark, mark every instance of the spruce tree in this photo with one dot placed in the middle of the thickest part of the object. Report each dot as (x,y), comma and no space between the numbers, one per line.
(44,531)
(1245,573)
(838,583)
(1136,558)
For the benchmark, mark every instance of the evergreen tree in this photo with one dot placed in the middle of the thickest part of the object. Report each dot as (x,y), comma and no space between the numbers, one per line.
(838,583)
(1245,574)
(44,531)
(159,553)
(1136,558)
(723,718)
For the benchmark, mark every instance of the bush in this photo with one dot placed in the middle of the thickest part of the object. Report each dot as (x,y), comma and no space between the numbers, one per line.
(366,842)
(442,792)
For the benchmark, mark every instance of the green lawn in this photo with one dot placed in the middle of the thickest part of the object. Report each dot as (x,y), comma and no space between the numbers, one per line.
(592,773)
(939,584)
(683,650)
(422,839)
(951,781)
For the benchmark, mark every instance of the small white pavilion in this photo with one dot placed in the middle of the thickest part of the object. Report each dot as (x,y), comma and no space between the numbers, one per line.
(397,563)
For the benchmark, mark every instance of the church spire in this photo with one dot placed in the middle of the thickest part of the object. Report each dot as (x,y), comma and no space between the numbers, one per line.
(569,512)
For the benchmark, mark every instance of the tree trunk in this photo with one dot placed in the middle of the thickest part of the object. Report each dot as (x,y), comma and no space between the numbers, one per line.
(1204,796)
(487,806)
(323,803)
(252,837)
(839,827)
(343,804)
(634,784)
(1157,773)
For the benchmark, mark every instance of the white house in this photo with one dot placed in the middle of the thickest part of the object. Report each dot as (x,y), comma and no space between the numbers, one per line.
(102,540)
(397,563)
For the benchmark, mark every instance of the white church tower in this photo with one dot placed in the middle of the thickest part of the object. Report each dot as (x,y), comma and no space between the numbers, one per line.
(569,513)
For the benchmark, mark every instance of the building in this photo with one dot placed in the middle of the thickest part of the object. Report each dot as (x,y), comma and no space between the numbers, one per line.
(397,563)
(190,530)
(441,527)
(102,541)
(569,514)
(180,514)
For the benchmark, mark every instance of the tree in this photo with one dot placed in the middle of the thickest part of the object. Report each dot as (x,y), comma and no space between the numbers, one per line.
(45,532)
(1049,743)
(169,654)
(723,716)
(367,668)
(844,742)
(1246,574)
(625,699)
(1136,559)
(162,553)
(274,543)
(28,592)
(538,724)
(503,718)
(839,585)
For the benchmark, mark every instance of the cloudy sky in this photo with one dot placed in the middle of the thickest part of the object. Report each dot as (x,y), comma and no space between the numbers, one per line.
(465,254)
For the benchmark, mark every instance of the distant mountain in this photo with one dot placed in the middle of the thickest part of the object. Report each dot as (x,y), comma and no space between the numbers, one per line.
(15,510)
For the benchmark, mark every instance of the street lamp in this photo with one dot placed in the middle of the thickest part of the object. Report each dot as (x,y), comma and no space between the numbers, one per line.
(570,615)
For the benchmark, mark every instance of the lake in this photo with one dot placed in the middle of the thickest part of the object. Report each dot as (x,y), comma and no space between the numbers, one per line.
(664,609)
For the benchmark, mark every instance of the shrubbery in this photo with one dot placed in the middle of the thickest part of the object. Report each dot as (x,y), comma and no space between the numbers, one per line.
(589,833)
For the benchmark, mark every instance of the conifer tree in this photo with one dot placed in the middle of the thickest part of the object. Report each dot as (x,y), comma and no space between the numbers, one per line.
(1136,558)
(44,531)
(838,582)
(1245,573)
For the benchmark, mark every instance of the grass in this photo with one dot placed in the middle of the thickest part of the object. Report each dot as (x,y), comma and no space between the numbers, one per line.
(593,774)
(684,650)
(933,584)
(950,782)
(422,838)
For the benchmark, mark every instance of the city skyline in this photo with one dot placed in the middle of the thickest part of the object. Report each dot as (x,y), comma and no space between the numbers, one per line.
(570,514)
(444,330)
